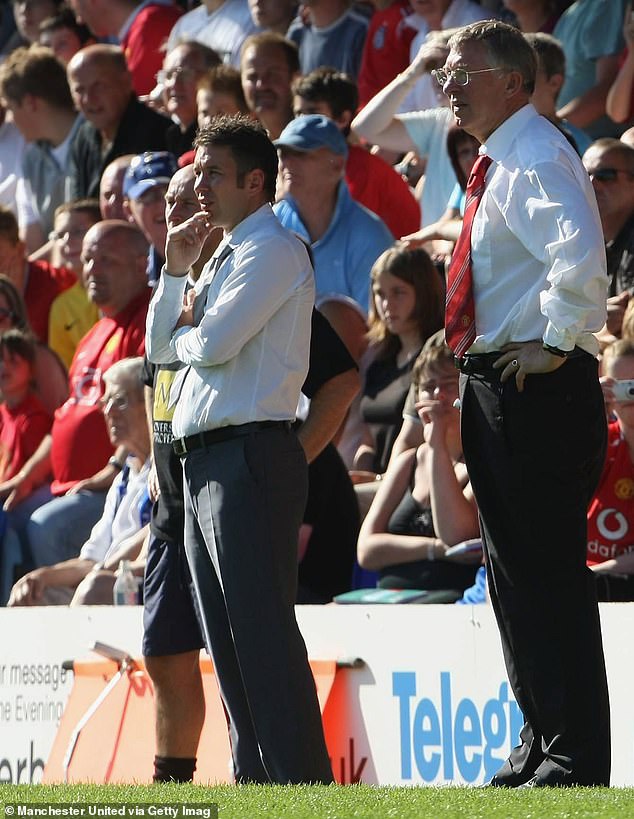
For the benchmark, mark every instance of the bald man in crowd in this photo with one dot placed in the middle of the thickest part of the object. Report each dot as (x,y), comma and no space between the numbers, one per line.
(117,122)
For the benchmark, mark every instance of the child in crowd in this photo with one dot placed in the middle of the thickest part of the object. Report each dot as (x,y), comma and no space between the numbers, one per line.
(611,512)
(72,313)
(220,92)
(405,310)
(23,424)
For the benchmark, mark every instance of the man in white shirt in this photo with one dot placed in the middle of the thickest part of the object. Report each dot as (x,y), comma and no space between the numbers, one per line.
(533,418)
(246,357)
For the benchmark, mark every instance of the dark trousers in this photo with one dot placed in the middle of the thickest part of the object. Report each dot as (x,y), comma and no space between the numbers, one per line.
(244,501)
(534,459)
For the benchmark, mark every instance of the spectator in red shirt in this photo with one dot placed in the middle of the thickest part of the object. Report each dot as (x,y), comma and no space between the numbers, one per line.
(23,423)
(387,46)
(372,182)
(38,282)
(77,451)
(141,28)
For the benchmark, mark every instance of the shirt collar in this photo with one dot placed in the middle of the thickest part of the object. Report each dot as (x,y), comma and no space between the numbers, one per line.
(499,142)
(244,229)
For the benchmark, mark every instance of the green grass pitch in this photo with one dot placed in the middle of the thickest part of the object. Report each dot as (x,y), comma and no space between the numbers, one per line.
(347,802)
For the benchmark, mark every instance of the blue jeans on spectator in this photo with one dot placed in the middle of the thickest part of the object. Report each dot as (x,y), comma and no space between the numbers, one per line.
(58,529)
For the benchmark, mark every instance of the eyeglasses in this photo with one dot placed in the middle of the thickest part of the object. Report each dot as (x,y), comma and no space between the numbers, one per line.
(459,75)
(120,402)
(173,74)
(607,174)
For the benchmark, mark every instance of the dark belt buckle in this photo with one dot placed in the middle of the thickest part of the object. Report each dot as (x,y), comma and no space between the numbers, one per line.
(179,446)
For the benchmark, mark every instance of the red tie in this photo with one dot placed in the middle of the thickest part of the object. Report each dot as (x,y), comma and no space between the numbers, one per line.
(460,330)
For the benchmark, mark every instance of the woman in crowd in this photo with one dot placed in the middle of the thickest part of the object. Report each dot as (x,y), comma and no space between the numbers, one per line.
(406,308)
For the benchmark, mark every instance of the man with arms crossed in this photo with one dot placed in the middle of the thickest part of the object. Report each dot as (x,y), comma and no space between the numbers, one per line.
(245,472)
(526,290)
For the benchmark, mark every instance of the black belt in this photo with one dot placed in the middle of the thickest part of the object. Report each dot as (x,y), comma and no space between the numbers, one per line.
(482,363)
(213,436)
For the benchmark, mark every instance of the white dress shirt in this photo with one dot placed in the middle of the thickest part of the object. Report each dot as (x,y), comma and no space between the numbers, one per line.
(538,256)
(248,356)
(126,511)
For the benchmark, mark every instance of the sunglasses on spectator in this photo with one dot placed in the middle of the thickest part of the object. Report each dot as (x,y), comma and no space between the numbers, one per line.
(459,75)
(607,174)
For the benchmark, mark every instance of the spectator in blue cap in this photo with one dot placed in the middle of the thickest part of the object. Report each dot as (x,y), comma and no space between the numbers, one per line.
(345,237)
(144,188)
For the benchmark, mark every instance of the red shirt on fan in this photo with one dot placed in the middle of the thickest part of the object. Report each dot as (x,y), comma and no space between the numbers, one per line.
(143,42)
(378,187)
(611,511)
(80,444)
(43,284)
(386,49)
(22,428)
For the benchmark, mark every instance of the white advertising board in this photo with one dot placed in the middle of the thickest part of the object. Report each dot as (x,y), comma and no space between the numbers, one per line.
(430,704)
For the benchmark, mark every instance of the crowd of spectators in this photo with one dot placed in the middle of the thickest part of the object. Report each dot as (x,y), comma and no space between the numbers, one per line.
(100,101)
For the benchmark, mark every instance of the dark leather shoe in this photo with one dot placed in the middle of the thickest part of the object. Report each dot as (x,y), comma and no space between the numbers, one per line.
(508,780)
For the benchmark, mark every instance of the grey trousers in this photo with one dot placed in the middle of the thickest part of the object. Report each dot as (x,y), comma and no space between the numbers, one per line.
(244,502)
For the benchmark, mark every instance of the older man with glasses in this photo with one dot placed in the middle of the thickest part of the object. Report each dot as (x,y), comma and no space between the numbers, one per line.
(526,291)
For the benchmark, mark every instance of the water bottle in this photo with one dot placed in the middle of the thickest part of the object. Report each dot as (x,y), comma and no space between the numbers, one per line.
(126,588)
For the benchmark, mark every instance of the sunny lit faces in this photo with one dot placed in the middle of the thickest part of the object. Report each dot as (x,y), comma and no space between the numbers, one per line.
(100,90)
(63,42)
(182,68)
(612,180)
(124,410)
(621,368)
(114,266)
(310,173)
(69,231)
(395,303)
(111,188)
(480,106)
(211,104)
(304,106)
(148,211)
(440,382)
(266,79)
(180,200)
(222,196)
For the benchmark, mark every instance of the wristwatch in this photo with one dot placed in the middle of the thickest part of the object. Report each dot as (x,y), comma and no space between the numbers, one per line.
(117,464)
(556,351)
